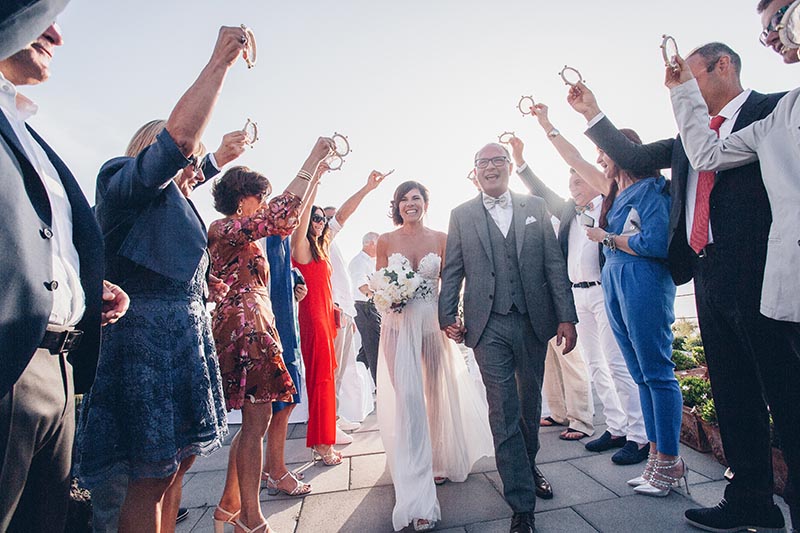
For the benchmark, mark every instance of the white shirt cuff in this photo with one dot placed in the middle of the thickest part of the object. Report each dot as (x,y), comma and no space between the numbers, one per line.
(213,161)
(522,167)
(595,119)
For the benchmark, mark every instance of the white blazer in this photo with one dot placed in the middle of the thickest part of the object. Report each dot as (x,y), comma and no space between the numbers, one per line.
(775,142)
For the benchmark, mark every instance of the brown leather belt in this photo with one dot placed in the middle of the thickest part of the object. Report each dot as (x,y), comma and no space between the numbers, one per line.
(58,341)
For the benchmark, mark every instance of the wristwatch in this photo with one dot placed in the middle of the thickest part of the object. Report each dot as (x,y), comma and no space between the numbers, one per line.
(553,133)
(610,242)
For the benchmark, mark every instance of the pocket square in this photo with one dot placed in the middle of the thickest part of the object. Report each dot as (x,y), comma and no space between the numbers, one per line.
(530,220)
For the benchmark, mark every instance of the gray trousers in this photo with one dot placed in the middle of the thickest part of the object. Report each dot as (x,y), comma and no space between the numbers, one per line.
(368,322)
(511,360)
(37,428)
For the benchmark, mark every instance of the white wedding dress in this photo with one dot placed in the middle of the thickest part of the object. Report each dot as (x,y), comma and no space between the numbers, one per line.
(432,413)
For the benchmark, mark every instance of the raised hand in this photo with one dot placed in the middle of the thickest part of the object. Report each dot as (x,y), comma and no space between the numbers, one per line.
(322,149)
(375,178)
(582,100)
(232,146)
(516,150)
(540,111)
(231,42)
(674,76)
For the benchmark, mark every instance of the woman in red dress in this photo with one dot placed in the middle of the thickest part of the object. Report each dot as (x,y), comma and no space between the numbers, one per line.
(310,243)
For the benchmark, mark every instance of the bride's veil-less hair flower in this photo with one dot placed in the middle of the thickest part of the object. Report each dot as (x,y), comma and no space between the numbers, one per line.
(399,192)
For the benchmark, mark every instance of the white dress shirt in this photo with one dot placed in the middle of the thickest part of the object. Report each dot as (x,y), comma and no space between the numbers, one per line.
(501,215)
(68,299)
(340,278)
(583,261)
(360,268)
(774,142)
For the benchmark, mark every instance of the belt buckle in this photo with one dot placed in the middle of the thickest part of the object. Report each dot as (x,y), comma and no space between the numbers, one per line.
(71,341)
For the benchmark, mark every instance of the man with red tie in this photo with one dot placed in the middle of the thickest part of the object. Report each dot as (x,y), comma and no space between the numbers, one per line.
(719,226)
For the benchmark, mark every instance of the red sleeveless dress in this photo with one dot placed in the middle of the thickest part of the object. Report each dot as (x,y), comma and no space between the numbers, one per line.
(317,331)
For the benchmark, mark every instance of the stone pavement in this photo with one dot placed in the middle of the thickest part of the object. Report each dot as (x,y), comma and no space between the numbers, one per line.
(357,496)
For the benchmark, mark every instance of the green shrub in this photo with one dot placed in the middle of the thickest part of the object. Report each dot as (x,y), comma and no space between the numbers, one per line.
(708,412)
(693,341)
(678,342)
(696,391)
(699,354)
(683,360)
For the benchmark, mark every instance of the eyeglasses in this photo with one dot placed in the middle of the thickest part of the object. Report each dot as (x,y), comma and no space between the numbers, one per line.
(196,163)
(774,24)
(498,161)
(316,219)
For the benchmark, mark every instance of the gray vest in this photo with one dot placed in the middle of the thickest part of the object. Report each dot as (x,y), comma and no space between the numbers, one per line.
(508,289)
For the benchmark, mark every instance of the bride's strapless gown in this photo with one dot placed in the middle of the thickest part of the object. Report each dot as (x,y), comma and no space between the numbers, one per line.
(432,413)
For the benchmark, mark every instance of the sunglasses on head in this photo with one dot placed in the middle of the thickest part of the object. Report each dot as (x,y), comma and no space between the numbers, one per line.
(774,24)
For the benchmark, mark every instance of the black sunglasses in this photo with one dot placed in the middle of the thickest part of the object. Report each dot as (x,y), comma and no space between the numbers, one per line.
(318,218)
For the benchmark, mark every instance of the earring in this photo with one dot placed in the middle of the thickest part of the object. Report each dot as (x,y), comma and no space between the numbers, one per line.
(239,211)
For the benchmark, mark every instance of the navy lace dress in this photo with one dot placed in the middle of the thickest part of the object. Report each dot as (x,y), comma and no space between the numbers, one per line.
(158,396)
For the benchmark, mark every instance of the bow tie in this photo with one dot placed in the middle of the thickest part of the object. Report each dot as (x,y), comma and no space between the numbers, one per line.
(490,202)
(581,209)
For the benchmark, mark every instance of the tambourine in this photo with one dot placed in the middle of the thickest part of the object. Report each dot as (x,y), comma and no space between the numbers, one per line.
(341,147)
(525,104)
(571,76)
(251,132)
(669,49)
(789,27)
(506,137)
(249,54)
(472,176)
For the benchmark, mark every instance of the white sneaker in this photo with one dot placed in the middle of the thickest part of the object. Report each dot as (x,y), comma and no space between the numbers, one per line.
(347,425)
(342,437)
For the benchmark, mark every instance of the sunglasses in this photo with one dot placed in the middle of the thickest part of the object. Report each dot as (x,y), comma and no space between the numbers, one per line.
(316,219)
(774,24)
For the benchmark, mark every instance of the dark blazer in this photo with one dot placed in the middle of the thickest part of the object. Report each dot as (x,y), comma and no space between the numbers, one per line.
(740,210)
(145,218)
(562,208)
(26,298)
(468,259)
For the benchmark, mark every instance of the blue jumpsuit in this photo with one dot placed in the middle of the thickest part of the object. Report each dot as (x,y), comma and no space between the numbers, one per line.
(640,296)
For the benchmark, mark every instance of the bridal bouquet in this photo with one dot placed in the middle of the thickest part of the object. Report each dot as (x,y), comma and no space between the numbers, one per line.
(393,286)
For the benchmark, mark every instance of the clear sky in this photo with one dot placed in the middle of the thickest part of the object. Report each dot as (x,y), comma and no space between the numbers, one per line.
(417,86)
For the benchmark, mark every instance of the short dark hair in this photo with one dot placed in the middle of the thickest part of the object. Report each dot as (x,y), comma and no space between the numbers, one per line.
(237,183)
(401,191)
(762,5)
(711,53)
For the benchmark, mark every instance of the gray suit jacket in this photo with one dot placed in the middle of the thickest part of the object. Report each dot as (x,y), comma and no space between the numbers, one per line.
(468,259)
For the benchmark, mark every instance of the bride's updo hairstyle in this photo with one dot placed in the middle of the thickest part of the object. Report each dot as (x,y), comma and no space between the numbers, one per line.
(401,191)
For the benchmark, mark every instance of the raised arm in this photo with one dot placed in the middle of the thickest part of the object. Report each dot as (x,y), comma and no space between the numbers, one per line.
(555,203)
(569,153)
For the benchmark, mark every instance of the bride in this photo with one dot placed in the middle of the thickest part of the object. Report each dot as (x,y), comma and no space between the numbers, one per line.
(432,413)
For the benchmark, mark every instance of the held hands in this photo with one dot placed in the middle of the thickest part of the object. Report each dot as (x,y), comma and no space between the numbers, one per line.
(582,100)
(595,234)
(566,333)
(516,150)
(217,289)
(115,303)
(677,75)
(456,331)
(231,147)
(231,42)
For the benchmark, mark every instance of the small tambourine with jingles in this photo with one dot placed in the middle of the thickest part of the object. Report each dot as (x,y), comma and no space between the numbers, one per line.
(506,137)
(341,147)
(571,76)
(249,39)
(525,104)
(251,132)
(472,176)
(789,27)
(669,50)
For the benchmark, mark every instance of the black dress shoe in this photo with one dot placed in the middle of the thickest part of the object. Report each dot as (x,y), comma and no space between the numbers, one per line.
(604,442)
(522,523)
(183,512)
(729,517)
(631,454)
(543,488)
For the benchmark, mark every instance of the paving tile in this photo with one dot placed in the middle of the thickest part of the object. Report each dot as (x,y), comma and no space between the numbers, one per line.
(216,461)
(233,429)
(552,449)
(299,431)
(360,510)
(557,521)
(295,451)
(570,487)
(702,463)
(369,424)
(195,517)
(282,516)
(474,500)
(204,489)
(484,464)
(363,443)
(614,477)
(368,471)
(634,514)
(322,478)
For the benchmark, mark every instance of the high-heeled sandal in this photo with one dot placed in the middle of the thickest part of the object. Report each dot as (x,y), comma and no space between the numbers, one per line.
(219,525)
(298,475)
(648,471)
(422,524)
(262,527)
(661,483)
(329,458)
(300,488)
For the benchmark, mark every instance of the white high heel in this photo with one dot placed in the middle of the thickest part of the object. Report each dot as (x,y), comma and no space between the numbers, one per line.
(661,483)
(648,471)
(219,525)
(263,526)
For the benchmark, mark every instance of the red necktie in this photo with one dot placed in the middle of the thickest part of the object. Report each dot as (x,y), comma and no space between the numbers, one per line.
(705,182)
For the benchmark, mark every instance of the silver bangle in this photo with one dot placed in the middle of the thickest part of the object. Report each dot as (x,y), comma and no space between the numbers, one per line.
(304,175)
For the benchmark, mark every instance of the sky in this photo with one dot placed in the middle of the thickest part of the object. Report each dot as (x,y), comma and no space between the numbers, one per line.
(417,86)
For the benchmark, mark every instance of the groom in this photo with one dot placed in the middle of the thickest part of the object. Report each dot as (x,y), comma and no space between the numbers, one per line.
(516,297)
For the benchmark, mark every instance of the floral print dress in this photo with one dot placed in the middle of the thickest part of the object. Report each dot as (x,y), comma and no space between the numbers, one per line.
(248,345)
